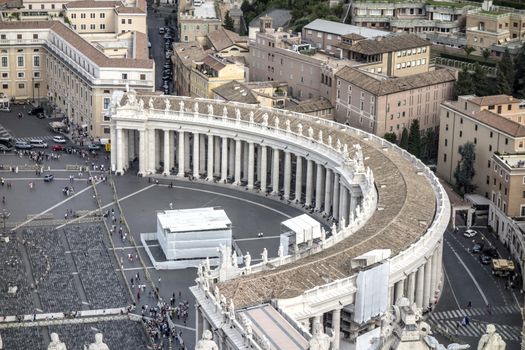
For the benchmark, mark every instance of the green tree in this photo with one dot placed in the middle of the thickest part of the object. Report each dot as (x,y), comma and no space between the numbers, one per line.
(504,86)
(486,54)
(414,139)
(481,84)
(519,76)
(465,169)
(228,22)
(403,143)
(505,75)
(464,85)
(469,50)
(429,145)
(391,137)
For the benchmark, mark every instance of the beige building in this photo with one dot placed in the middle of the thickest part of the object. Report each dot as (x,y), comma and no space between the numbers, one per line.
(227,43)
(184,57)
(105,16)
(495,125)
(264,93)
(380,104)
(213,71)
(48,60)
(194,22)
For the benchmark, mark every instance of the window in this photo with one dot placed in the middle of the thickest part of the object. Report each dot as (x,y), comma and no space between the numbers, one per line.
(129,21)
(491,134)
(92,26)
(36,61)
(102,26)
(123,21)
(20,75)
(522,210)
(20,61)
(444,158)
(52,6)
(143,77)
(82,15)
(73,15)
(36,74)
(476,127)
(83,26)
(30,7)
(460,133)
(446,142)
(489,163)
(35,36)
(106,102)
(506,141)
(490,148)
(102,15)
(5,75)
(523,180)
(124,76)
(4,62)
(21,86)
(5,86)
(19,36)
(3,36)
(509,107)
(106,130)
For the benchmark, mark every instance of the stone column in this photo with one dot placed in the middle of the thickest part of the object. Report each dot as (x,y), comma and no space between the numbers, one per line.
(309,179)
(264,172)
(142,153)
(433,278)
(151,151)
(287,174)
(298,178)
(245,161)
(238,162)
(196,154)
(114,147)
(182,154)
(428,283)
(275,172)
(353,203)
(173,158)
(343,209)
(327,191)
(411,289)
(158,149)
(399,290)
(259,153)
(420,285)
(211,158)
(319,187)
(336,326)
(231,158)
(167,163)
(202,153)
(335,205)
(187,149)
(217,154)
(120,151)
(251,164)
(224,159)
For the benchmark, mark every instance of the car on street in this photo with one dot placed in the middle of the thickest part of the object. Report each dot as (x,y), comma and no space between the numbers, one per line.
(470,233)
(37,143)
(93,147)
(58,148)
(167,65)
(166,77)
(162,30)
(4,148)
(41,116)
(48,177)
(36,111)
(168,36)
(59,139)
(485,259)
(22,145)
(492,252)
(476,248)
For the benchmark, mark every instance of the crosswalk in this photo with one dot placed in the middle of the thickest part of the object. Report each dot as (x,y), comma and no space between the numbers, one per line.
(4,132)
(27,139)
(450,319)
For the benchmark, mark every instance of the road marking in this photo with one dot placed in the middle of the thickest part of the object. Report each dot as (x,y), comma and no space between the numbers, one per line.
(469,273)
(51,208)
(132,247)
(451,289)
(255,238)
(135,268)
(41,179)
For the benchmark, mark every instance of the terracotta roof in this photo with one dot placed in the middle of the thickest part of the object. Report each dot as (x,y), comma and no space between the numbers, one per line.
(491,119)
(493,100)
(79,43)
(93,4)
(389,43)
(188,52)
(141,45)
(353,36)
(223,38)
(311,105)
(386,86)
(129,9)
(237,92)
(214,62)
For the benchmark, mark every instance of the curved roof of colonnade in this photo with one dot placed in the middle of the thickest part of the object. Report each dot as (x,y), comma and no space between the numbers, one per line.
(407,201)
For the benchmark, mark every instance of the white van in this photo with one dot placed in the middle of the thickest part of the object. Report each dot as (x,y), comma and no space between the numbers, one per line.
(197,2)
(38,143)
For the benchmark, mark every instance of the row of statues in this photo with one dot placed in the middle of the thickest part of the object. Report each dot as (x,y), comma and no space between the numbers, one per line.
(56,344)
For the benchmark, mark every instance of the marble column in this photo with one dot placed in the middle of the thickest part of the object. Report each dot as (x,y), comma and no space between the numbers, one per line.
(327,191)
(231,158)
(142,153)
(245,161)
(130,137)
(428,286)
(120,151)
(264,164)
(335,205)
(173,158)
(319,187)
(411,289)
(182,154)
(287,174)
(217,154)
(151,151)
(202,153)
(399,290)
(167,163)
(196,154)
(211,158)
(336,326)
(158,149)
(433,279)
(259,153)
(251,164)
(353,203)
(275,172)
(224,159)
(420,286)
(187,149)
(309,184)
(343,207)
(114,146)
(298,178)
(238,162)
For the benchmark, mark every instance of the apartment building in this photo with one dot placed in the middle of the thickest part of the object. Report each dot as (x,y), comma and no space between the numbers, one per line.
(327,35)
(227,43)
(495,124)
(264,93)
(184,57)
(194,22)
(495,29)
(105,16)
(380,104)
(411,16)
(211,72)
(47,59)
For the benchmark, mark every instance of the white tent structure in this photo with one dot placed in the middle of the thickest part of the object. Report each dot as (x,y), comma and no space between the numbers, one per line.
(298,230)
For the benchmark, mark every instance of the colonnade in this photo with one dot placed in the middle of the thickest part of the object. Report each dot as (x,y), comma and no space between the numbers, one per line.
(269,169)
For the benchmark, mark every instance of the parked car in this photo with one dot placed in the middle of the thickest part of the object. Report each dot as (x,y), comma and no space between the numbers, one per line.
(59,139)
(492,252)
(93,147)
(36,111)
(167,65)
(22,145)
(58,148)
(4,148)
(48,177)
(476,248)
(470,233)
(485,259)
(38,143)
(162,30)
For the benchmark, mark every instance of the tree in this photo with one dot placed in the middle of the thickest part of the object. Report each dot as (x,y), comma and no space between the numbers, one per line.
(504,86)
(465,169)
(403,143)
(519,76)
(391,137)
(429,145)
(486,54)
(468,50)
(481,85)
(464,85)
(505,74)
(414,139)
(228,22)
